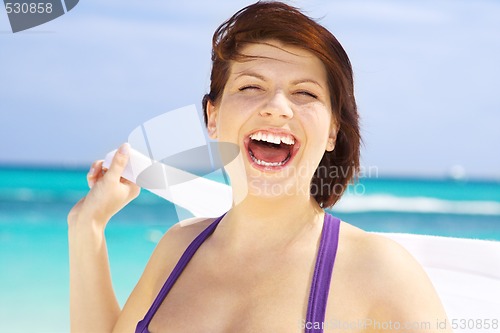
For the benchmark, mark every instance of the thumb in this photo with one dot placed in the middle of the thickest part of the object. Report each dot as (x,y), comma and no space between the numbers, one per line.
(119,162)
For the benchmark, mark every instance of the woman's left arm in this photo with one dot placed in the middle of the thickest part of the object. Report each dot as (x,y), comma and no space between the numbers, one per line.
(406,297)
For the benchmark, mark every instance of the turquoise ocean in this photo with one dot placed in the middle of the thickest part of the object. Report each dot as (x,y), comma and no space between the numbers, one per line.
(34,202)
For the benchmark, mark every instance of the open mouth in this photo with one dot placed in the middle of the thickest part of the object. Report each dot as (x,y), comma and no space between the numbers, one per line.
(271,150)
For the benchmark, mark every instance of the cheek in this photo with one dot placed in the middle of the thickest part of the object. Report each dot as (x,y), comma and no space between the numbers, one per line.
(229,123)
(234,112)
(317,124)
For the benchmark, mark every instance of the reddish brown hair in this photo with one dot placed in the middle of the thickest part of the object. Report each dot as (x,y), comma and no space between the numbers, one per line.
(264,21)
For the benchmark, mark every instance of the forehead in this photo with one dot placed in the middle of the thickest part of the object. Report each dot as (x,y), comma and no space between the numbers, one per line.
(275,56)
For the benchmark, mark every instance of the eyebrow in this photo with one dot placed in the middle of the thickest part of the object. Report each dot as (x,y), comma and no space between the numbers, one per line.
(296,82)
(251,74)
(262,78)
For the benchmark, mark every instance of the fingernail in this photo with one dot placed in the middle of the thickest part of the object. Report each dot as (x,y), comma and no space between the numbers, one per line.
(91,183)
(91,171)
(123,149)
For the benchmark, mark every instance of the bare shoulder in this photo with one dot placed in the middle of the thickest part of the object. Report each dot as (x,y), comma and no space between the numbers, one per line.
(171,247)
(178,237)
(397,286)
(161,263)
(385,265)
(376,252)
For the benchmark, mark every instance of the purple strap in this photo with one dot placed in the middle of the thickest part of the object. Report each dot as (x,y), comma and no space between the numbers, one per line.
(142,326)
(320,285)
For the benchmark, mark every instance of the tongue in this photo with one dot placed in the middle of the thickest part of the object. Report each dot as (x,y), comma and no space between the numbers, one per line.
(269,152)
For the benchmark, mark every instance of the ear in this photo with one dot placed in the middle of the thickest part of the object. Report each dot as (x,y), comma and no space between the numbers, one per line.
(332,137)
(330,146)
(211,120)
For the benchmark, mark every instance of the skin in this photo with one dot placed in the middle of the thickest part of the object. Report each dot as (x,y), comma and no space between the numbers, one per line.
(254,273)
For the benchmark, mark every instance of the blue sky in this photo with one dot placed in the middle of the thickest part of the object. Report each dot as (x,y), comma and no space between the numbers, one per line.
(427,78)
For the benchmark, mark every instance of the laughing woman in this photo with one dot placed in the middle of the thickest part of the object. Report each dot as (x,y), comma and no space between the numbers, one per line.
(282,90)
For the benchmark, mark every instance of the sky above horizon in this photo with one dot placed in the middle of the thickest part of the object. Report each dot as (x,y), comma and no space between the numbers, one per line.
(426,78)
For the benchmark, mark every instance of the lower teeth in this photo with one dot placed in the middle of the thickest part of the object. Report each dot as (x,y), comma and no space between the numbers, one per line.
(268,164)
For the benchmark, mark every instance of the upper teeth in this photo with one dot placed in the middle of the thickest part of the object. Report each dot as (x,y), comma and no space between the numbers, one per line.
(273,138)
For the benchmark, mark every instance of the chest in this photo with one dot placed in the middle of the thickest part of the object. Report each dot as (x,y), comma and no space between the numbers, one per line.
(265,295)
(256,294)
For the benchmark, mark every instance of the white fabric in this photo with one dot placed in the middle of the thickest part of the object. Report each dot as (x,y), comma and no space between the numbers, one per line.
(465,273)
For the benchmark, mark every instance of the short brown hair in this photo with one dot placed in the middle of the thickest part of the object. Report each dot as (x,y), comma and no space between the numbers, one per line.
(269,20)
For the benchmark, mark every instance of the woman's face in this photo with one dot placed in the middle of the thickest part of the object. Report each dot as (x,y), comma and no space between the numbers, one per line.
(277,109)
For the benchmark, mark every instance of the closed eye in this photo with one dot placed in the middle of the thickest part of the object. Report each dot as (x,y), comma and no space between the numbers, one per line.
(307,93)
(249,88)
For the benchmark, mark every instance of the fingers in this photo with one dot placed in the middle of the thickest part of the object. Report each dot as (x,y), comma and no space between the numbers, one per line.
(94,173)
(119,162)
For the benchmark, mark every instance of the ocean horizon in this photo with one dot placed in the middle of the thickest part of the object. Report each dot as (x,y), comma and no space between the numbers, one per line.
(35,200)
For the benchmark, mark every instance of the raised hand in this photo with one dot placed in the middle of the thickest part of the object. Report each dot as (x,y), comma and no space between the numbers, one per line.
(108,194)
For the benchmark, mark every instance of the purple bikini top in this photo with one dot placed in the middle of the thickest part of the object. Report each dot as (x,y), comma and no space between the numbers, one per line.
(318,295)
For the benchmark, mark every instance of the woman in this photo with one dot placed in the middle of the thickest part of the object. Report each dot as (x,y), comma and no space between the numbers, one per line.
(282,90)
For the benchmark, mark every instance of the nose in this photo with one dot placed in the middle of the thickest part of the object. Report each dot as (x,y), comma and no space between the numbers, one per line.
(277,107)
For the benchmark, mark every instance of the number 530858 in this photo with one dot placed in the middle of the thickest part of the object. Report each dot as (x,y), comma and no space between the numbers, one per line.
(28,8)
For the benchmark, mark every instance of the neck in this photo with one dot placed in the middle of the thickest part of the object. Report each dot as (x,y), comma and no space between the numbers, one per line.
(267,223)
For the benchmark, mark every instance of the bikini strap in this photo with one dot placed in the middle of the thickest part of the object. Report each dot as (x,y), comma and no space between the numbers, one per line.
(320,285)
(179,267)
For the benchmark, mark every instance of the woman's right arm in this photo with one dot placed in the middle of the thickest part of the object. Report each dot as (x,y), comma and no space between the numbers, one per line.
(93,305)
